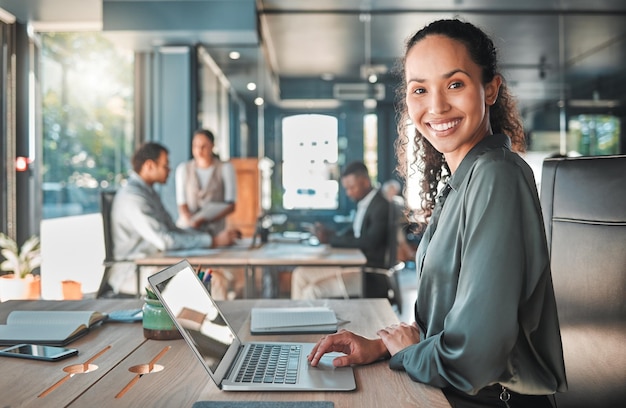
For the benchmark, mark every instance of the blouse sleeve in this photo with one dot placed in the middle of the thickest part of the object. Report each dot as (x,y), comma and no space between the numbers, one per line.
(481,328)
(140,216)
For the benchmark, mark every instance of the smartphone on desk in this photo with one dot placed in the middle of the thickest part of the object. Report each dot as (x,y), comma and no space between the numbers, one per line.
(38,352)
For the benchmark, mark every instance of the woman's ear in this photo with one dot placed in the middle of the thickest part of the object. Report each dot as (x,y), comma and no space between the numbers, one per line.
(492,89)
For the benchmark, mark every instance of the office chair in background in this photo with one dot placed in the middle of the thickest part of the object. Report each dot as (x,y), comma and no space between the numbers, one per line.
(106,204)
(583,201)
(384,282)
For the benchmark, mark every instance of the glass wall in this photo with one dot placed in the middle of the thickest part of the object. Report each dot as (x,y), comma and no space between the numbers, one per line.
(6,216)
(87,98)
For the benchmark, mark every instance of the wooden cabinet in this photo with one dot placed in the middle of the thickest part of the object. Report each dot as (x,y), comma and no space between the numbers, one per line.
(248,205)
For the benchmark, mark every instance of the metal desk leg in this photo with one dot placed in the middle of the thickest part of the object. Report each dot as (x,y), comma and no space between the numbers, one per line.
(138,275)
(270,283)
(250,281)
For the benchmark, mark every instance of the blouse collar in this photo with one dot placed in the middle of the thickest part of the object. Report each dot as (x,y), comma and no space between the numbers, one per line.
(490,142)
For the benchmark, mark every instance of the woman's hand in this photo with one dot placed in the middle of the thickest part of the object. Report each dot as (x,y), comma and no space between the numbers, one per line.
(399,336)
(358,349)
(226,237)
(197,223)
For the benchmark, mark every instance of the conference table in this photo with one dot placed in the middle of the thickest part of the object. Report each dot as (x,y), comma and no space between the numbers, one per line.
(267,255)
(119,351)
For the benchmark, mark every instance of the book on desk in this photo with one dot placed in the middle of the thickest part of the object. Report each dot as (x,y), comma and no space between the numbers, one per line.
(56,328)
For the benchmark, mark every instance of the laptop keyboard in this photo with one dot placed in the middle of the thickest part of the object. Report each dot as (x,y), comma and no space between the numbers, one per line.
(270,363)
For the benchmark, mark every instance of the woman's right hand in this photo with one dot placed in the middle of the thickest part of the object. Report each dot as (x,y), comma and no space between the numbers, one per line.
(197,223)
(357,349)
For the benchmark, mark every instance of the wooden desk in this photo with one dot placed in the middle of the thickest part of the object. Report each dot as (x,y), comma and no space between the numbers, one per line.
(21,381)
(183,380)
(267,255)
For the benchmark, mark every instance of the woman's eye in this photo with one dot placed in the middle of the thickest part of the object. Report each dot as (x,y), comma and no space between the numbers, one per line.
(419,91)
(456,84)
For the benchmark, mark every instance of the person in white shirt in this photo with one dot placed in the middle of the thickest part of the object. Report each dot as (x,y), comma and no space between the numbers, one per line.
(206,187)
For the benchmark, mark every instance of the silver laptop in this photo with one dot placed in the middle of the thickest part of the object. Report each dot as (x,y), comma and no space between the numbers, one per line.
(232,364)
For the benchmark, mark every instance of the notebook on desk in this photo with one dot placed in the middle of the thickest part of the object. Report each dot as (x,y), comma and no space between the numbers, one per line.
(231,363)
(292,320)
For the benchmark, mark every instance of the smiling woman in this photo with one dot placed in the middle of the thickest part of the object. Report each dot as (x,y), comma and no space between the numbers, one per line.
(486,329)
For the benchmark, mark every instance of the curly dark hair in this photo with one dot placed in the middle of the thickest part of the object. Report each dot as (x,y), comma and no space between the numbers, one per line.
(503,114)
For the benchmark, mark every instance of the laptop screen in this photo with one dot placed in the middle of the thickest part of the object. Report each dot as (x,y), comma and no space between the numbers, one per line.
(197,317)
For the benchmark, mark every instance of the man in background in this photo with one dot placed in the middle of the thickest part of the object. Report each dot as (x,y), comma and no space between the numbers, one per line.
(369,232)
(140,224)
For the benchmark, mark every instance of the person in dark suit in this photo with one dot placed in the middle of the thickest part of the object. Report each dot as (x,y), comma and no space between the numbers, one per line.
(369,232)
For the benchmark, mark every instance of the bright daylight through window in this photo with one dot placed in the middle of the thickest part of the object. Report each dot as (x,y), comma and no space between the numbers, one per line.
(87,98)
(310,154)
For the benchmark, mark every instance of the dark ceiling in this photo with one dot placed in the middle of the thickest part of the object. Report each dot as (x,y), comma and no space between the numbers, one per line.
(550,50)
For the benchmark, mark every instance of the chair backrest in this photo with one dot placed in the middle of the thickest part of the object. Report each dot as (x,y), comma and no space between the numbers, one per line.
(383,282)
(106,204)
(394,224)
(584,208)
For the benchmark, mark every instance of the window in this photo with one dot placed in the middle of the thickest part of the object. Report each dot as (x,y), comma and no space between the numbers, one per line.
(370,144)
(310,170)
(594,135)
(87,110)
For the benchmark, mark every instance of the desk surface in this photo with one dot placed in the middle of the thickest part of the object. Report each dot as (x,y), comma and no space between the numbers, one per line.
(183,380)
(270,254)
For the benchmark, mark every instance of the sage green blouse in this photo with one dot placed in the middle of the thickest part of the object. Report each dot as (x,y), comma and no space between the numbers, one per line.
(485,302)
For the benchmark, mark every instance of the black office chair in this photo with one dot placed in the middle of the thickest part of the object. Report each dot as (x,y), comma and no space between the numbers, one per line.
(384,282)
(583,201)
(106,204)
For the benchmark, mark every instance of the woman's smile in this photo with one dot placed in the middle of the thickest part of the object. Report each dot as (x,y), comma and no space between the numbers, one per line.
(443,126)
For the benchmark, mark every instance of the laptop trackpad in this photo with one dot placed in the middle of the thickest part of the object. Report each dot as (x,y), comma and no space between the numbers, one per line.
(326,376)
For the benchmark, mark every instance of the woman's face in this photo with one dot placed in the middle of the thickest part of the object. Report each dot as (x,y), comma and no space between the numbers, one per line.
(446,98)
(202,149)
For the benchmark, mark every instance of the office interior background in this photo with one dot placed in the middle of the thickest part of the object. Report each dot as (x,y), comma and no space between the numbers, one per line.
(298,87)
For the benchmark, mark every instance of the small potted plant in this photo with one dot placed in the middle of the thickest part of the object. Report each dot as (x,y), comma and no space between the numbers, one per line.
(21,262)
(157,323)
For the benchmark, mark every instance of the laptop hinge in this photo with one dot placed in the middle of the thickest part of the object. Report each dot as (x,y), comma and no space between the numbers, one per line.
(236,360)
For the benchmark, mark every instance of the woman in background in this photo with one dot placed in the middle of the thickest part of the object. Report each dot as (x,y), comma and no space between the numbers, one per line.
(486,329)
(206,187)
